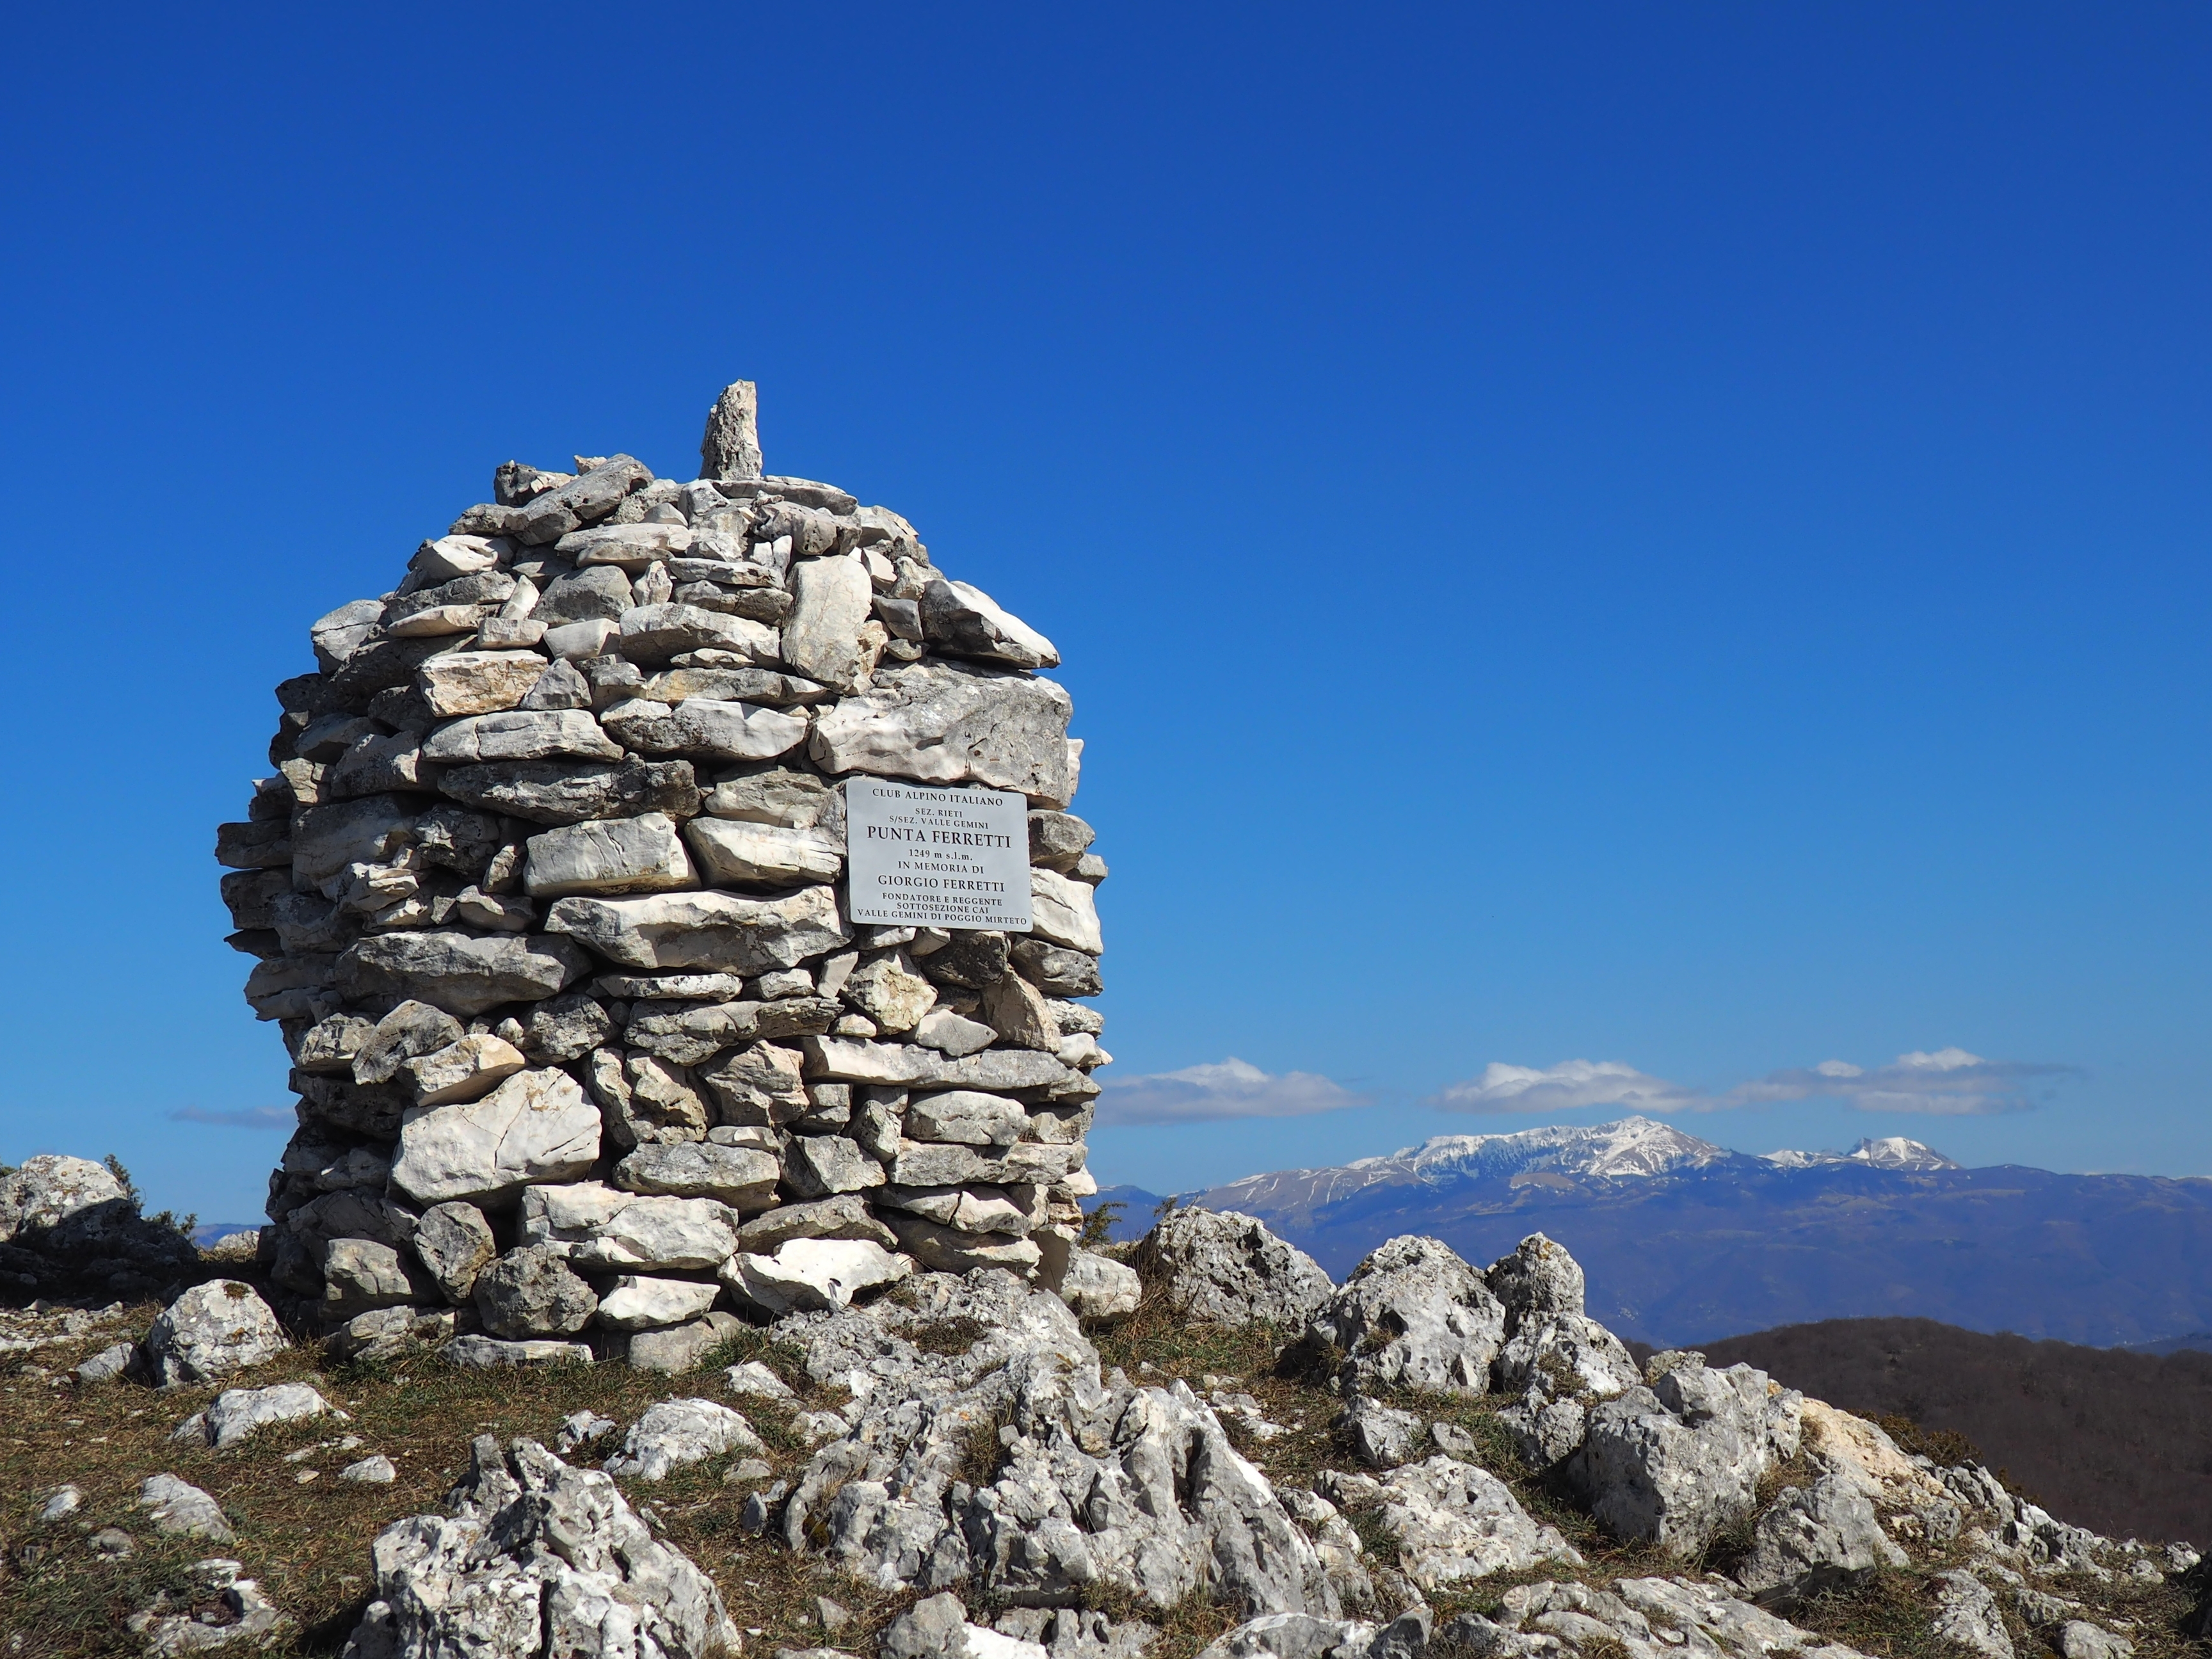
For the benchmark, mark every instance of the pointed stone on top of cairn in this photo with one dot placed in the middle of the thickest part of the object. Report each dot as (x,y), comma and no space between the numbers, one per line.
(730,450)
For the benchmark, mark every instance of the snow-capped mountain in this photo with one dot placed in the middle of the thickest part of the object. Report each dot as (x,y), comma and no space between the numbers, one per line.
(1633,1148)
(1889,1153)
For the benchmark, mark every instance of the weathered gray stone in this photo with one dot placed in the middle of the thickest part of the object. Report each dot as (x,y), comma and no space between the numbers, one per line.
(1676,1462)
(818,1166)
(463,974)
(550,792)
(643,854)
(827,636)
(1414,1316)
(1453,1521)
(536,1126)
(601,1229)
(532,1292)
(490,1353)
(1098,1287)
(336,634)
(732,448)
(235,1414)
(1054,970)
(676,1432)
(463,1070)
(802,1274)
(1564,1354)
(744,1178)
(537,1559)
(1381,1437)
(962,621)
(675,1349)
(966,1117)
(587,499)
(49,1189)
(733,852)
(950,1249)
(455,1243)
(520,734)
(1539,1278)
(1815,1539)
(410,1030)
(595,593)
(943,723)
(952,1035)
(845,1216)
(640,1303)
(890,993)
(363,1273)
(709,730)
(211,1331)
(326,839)
(719,932)
(1967,1613)
(177,1508)
(1066,912)
(477,682)
(1228,1269)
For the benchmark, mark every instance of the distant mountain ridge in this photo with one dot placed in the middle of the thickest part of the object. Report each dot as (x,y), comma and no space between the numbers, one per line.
(1632,1148)
(1688,1241)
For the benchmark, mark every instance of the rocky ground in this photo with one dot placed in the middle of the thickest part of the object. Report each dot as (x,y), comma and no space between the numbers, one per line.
(1250,1459)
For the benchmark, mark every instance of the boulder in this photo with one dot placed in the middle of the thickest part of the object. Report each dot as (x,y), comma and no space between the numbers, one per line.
(962,621)
(938,722)
(1539,1278)
(1676,1463)
(742,1177)
(1381,1437)
(537,1558)
(532,1293)
(536,1126)
(600,1229)
(676,1432)
(1123,1488)
(643,854)
(237,1413)
(1098,1287)
(1813,1539)
(811,1274)
(455,1243)
(1414,1316)
(711,931)
(211,1331)
(1228,1269)
(638,1303)
(177,1508)
(463,974)
(1453,1521)
(1967,1613)
(48,1189)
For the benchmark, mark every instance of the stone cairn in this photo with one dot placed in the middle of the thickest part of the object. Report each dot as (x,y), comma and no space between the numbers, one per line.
(546,893)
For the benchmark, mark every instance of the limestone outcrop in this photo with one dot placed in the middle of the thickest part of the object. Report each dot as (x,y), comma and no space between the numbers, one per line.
(547,894)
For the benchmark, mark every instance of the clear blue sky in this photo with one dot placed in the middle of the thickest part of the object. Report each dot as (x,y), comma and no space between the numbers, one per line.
(1668,536)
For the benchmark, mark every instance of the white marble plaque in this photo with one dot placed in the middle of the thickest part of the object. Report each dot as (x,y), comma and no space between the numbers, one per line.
(923,856)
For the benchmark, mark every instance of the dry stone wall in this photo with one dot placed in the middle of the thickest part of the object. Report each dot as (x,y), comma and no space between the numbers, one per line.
(547,895)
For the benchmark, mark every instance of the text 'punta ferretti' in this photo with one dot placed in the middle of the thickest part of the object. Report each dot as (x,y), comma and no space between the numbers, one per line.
(937,837)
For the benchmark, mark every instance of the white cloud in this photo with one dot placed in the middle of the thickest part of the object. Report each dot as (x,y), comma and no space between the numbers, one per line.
(1943,1083)
(1231,1089)
(1569,1085)
(1947,1083)
(254,1117)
